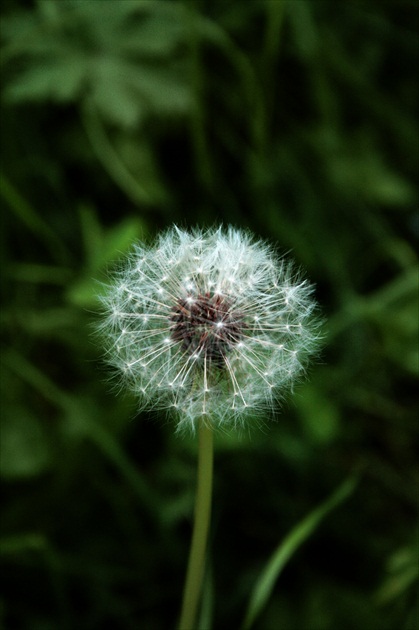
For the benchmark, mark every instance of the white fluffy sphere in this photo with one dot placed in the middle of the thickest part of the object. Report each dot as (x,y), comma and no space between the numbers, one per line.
(209,324)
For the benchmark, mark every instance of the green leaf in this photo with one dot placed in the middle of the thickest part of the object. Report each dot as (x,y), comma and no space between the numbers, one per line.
(56,79)
(21,543)
(116,61)
(319,414)
(402,572)
(112,89)
(101,251)
(301,532)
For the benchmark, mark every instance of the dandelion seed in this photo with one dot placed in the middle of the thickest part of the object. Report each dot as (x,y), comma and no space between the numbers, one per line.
(222,340)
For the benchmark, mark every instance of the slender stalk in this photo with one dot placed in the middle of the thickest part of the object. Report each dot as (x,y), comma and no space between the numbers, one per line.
(196,563)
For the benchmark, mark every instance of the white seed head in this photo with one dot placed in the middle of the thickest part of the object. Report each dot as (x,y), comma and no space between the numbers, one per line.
(209,324)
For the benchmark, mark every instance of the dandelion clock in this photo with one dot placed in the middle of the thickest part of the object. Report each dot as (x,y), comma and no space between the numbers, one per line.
(215,328)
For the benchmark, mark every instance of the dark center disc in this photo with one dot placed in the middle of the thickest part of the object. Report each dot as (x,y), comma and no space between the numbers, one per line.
(206,325)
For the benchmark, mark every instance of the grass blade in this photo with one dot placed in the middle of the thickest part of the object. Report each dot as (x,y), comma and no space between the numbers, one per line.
(266,582)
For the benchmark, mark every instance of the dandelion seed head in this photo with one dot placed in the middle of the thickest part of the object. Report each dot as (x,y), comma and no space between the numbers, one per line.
(209,323)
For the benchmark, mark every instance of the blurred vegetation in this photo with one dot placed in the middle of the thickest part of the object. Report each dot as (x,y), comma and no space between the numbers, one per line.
(297,119)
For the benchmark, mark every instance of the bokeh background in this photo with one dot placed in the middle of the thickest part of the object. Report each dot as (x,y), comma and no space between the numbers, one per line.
(296,119)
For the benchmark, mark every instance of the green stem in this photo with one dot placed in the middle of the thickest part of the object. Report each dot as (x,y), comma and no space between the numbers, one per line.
(195,572)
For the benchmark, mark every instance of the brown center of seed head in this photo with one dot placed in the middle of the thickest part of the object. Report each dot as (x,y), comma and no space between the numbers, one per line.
(207,326)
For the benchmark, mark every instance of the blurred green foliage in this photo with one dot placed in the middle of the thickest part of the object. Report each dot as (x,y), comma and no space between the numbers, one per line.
(297,119)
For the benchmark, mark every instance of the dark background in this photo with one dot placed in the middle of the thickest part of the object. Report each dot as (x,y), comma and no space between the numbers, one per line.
(295,119)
